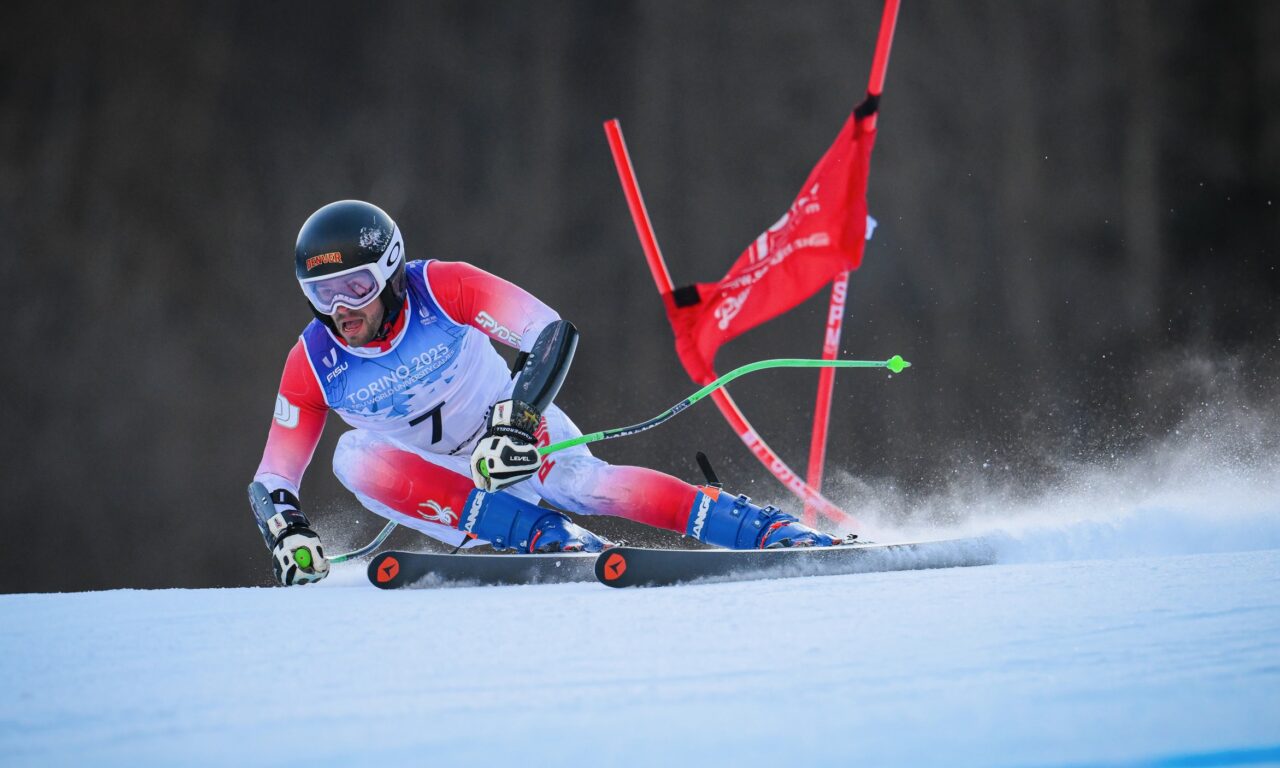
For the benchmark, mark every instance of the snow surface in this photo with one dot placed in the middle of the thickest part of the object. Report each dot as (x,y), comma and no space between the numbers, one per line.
(1142,661)
(1134,619)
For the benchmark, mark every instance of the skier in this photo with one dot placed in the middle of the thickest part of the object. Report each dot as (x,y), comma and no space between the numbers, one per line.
(445,438)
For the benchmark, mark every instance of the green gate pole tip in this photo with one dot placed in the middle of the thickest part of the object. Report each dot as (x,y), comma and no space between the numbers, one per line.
(896,364)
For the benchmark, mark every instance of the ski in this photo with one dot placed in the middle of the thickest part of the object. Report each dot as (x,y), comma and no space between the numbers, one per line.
(640,567)
(395,570)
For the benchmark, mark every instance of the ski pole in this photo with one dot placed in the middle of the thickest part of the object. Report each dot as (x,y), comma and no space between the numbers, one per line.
(895,364)
(367,548)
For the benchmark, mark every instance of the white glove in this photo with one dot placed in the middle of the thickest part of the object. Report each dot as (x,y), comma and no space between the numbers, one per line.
(508,452)
(298,557)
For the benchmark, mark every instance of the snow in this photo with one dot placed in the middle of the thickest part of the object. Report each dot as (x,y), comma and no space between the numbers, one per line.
(1133,619)
(1143,660)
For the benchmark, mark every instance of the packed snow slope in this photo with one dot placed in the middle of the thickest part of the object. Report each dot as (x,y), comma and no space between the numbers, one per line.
(1133,619)
(1156,660)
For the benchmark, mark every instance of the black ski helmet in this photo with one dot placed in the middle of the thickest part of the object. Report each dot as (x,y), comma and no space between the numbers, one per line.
(352,236)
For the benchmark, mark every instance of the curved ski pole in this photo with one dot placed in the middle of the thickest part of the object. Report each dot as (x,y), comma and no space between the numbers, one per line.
(895,364)
(367,548)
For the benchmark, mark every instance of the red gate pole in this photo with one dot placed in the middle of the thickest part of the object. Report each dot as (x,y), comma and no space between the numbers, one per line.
(826,382)
(840,286)
(728,408)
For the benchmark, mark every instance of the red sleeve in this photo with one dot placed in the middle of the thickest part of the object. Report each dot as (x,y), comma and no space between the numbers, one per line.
(299,421)
(503,310)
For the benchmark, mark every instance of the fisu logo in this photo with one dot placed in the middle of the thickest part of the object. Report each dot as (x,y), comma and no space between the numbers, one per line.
(331,359)
(336,372)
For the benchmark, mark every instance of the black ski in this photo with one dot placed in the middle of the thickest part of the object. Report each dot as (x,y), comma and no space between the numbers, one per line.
(393,570)
(638,567)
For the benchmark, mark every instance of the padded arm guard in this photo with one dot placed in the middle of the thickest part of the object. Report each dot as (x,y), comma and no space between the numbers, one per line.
(275,512)
(540,374)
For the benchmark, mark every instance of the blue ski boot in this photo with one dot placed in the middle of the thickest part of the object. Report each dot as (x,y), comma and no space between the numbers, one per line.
(508,522)
(733,522)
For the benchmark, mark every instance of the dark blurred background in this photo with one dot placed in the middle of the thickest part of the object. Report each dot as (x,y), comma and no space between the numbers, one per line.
(1077,242)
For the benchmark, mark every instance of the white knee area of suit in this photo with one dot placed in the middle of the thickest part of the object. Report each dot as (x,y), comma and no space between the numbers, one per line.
(576,482)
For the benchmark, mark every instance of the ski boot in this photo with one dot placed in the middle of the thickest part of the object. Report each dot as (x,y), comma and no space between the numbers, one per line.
(733,522)
(508,522)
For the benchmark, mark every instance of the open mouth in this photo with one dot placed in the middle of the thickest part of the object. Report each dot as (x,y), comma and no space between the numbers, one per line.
(351,325)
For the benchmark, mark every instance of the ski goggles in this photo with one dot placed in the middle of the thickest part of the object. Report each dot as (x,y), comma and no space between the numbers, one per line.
(355,288)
